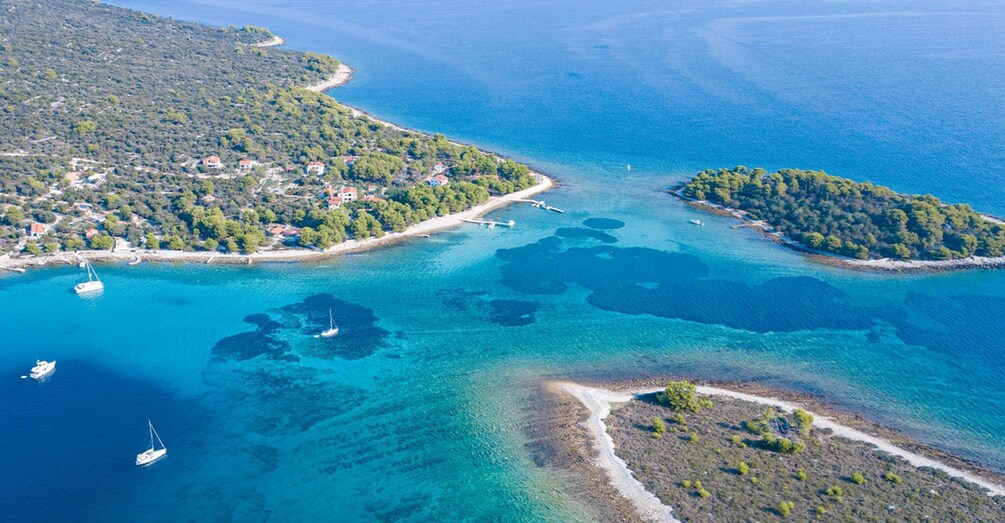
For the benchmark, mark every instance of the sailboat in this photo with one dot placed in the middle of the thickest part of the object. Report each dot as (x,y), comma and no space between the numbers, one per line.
(152,454)
(93,284)
(332,329)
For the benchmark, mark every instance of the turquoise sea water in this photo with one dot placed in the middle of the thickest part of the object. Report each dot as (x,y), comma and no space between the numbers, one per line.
(424,408)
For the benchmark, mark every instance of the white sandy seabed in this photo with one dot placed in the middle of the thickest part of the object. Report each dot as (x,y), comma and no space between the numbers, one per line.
(649,507)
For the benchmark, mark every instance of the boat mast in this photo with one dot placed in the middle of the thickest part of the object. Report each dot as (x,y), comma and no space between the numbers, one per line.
(331,320)
(153,432)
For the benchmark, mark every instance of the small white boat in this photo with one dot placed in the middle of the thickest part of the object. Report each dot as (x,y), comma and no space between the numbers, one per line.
(92,285)
(153,453)
(332,329)
(697,222)
(42,369)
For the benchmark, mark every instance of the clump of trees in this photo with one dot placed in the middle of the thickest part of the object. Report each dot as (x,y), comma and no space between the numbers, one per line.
(803,421)
(859,220)
(782,445)
(683,396)
(659,428)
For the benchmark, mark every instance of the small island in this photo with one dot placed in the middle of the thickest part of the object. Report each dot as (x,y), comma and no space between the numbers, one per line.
(140,136)
(870,225)
(690,453)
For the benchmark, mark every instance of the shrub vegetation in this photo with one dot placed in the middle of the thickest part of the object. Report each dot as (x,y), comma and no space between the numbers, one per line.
(827,480)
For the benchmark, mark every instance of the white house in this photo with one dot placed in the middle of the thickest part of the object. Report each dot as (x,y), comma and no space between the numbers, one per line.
(212,162)
(438,180)
(36,230)
(348,194)
(317,168)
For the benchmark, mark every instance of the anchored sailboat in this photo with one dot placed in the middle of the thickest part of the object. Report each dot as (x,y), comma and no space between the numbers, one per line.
(93,283)
(332,329)
(152,454)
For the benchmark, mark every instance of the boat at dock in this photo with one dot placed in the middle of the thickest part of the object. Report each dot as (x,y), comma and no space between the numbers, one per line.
(697,222)
(42,369)
(93,283)
(152,454)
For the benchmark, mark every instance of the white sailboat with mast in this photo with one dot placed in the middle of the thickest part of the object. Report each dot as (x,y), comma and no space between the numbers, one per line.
(93,283)
(332,329)
(153,453)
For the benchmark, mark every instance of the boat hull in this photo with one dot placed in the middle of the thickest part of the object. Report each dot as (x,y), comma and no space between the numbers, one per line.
(37,375)
(88,287)
(150,457)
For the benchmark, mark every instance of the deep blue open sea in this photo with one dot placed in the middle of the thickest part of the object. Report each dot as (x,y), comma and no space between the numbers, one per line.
(425,408)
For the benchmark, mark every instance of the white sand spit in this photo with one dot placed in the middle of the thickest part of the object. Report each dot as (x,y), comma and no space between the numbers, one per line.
(341,76)
(599,401)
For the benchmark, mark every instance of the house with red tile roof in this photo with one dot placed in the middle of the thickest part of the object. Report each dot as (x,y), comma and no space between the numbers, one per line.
(438,180)
(348,194)
(36,230)
(246,164)
(90,233)
(212,162)
(334,203)
(276,230)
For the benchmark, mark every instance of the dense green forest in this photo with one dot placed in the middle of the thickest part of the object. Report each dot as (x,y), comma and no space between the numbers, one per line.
(853,219)
(106,115)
